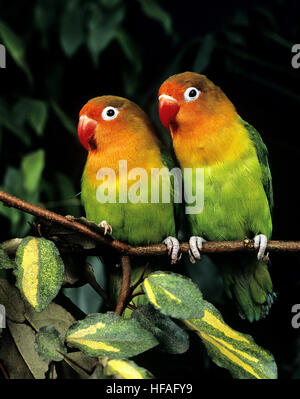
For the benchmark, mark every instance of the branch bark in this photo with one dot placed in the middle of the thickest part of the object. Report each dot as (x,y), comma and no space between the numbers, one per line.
(151,250)
(125,288)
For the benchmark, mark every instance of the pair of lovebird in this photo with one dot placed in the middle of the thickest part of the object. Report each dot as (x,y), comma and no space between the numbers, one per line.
(207,133)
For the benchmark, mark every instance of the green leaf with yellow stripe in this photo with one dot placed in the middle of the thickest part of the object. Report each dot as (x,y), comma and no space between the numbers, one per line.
(231,349)
(110,335)
(39,272)
(127,370)
(171,337)
(174,295)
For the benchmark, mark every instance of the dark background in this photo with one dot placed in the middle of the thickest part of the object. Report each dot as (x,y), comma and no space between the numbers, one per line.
(62,53)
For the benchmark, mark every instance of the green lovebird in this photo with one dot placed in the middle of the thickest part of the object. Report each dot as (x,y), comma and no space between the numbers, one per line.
(208,134)
(121,183)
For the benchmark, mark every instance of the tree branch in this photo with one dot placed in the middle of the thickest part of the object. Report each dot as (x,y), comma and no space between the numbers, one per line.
(151,250)
(125,288)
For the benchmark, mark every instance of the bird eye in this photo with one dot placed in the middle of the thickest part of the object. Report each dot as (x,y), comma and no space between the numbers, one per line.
(191,94)
(109,113)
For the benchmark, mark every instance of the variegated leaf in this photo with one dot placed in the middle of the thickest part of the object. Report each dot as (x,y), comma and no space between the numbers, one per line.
(235,351)
(174,295)
(110,335)
(39,272)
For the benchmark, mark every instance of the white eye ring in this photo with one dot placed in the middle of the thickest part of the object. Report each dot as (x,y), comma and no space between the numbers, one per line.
(187,96)
(109,113)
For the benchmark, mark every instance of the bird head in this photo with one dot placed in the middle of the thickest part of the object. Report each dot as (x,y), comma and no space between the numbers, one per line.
(109,119)
(189,98)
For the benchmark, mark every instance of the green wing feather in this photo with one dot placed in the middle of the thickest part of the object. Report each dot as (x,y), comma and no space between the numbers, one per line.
(262,155)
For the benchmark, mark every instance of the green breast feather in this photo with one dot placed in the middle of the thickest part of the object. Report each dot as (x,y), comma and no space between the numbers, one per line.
(237,195)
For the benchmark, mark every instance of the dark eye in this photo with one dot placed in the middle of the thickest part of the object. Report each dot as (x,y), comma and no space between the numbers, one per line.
(191,94)
(109,113)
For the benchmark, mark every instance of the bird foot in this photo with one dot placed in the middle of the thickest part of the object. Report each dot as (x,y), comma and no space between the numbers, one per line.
(107,227)
(92,225)
(260,243)
(173,249)
(195,244)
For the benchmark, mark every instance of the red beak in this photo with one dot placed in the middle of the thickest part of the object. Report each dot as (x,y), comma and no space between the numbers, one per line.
(86,129)
(167,109)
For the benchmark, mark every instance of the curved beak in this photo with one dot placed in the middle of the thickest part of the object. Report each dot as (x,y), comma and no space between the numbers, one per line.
(168,108)
(86,129)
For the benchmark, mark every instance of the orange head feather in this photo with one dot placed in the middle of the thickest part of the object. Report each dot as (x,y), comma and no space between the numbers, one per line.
(113,128)
(200,118)
(109,119)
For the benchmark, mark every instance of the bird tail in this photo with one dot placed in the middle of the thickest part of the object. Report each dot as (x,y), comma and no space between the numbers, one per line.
(249,284)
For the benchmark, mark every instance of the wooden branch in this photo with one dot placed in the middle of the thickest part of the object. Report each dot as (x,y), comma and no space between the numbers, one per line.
(151,250)
(125,287)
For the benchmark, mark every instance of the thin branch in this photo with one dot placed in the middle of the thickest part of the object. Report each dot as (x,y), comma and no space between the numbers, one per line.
(90,278)
(3,371)
(131,307)
(17,203)
(140,280)
(137,294)
(125,287)
(151,250)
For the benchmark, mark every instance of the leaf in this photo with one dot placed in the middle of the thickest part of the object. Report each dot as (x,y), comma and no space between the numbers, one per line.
(32,167)
(129,49)
(127,370)
(10,125)
(204,53)
(171,337)
(71,30)
(32,110)
(5,261)
(24,338)
(11,246)
(38,115)
(153,10)
(109,335)
(40,271)
(231,349)
(102,29)
(64,119)
(49,344)
(174,295)
(54,315)
(12,359)
(15,47)
(10,298)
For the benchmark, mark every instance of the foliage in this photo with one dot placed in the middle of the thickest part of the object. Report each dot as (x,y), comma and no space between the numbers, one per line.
(110,336)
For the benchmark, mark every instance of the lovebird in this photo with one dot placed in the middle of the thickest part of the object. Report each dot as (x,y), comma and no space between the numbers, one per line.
(208,134)
(117,191)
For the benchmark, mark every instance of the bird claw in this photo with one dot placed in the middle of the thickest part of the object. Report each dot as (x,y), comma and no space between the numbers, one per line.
(107,227)
(260,243)
(195,244)
(173,249)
